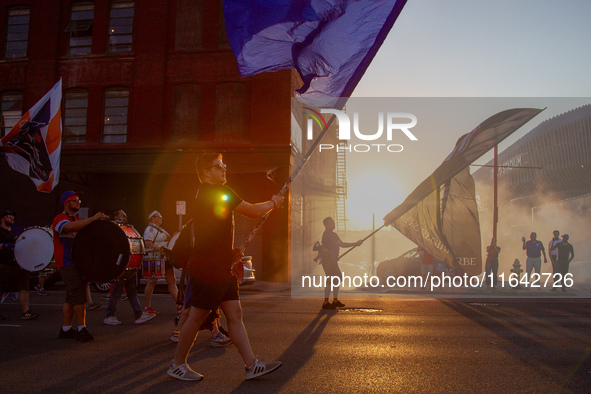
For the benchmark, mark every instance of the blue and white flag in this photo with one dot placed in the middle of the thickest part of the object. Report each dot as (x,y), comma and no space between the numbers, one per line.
(33,145)
(331,43)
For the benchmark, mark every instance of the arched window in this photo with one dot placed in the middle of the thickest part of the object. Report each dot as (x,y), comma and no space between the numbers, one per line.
(116,103)
(186,103)
(12,110)
(75,116)
(229,112)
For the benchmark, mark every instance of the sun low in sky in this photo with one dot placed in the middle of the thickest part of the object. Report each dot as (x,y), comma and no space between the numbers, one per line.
(372,191)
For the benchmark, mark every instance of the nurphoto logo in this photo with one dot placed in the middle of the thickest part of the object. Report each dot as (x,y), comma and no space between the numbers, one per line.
(394,124)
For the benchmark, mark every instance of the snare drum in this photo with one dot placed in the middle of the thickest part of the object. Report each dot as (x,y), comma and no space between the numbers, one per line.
(153,266)
(106,251)
(33,249)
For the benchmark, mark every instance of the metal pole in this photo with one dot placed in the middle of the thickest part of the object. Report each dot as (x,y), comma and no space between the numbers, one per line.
(363,240)
(288,183)
(495,189)
(373,245)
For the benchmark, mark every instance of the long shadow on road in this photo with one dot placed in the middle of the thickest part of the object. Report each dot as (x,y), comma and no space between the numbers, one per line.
(298,353)
(549,336)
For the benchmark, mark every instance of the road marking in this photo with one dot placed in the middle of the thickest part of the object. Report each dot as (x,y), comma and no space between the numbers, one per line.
(10,325)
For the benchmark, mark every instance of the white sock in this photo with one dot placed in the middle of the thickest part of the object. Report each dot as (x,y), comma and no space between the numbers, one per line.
(66,328)
(255,361)
(81,327)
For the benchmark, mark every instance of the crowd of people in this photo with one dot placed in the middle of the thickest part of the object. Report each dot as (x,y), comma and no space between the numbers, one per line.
(561,253)
(212,284)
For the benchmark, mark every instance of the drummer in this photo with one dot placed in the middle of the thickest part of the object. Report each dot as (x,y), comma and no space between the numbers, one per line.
(155,237)
(65,226)
(12,277)
(119,216)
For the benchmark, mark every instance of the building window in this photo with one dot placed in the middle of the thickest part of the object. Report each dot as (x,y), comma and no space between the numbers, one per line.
(80,29)
(186,101)
(223,42)
(121,27)
(75,111)
(229,112)
(189,25)
(12,111)
(115,119)
(17,33)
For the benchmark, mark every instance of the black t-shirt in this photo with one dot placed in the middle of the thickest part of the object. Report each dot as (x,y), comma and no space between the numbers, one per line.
(7,256)
(213,216)
(330,241)
(565,250)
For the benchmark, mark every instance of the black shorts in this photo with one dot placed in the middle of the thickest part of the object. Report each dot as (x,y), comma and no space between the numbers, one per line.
(208,294)
(331,268)
(75,285)
(13,278)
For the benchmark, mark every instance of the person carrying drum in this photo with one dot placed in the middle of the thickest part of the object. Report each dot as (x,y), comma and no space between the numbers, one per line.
(65,226)
(12,277)
(128,284)
(155,237)
(213,282)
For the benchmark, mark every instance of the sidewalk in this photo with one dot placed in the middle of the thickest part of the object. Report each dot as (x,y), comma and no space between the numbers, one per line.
(262,286)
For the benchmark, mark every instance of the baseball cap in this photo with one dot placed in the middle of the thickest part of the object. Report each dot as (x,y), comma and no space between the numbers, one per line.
(565,235)
(67,196)
(6,212)
(154,213)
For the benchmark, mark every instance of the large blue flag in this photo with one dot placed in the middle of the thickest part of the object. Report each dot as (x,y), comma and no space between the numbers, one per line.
(330,42)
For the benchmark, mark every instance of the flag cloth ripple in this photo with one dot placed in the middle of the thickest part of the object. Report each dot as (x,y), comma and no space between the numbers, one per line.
(33,145)
(448,228)
(330,43)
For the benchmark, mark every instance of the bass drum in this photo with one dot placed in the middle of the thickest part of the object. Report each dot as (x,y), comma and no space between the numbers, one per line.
(33,249)
(106,251)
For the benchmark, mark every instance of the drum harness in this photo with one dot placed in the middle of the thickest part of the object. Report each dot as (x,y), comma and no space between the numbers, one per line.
(159,230)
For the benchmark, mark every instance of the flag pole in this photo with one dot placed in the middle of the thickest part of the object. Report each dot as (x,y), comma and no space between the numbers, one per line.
(288,183)
(363,240)
(495,191)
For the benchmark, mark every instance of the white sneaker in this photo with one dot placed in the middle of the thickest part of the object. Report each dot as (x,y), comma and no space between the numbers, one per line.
(183,372)
(111,320)
(144,318)
(260,368)
(220,340)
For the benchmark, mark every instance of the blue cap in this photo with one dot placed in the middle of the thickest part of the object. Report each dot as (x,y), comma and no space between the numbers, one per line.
(68,195)
(6,213)
(565,236)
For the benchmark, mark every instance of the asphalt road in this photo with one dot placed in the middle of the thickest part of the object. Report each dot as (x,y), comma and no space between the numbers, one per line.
(372,345)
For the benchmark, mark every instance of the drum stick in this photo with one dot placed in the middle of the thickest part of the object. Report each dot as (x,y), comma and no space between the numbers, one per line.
(295,173)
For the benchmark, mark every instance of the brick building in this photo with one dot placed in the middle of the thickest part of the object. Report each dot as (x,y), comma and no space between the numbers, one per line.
(147,86)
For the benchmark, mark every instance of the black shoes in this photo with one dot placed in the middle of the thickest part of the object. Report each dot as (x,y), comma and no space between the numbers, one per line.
(70,334)
(333,306)
(84,335)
